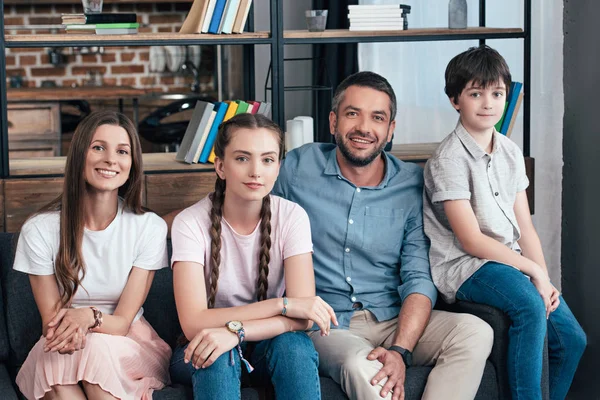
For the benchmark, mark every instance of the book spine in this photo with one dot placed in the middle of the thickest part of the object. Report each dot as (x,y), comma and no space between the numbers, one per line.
(110,18)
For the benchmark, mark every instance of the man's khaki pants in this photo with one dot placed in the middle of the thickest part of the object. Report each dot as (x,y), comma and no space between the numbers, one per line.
(456,344)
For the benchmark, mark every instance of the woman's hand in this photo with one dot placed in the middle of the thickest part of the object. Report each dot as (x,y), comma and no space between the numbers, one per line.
(65,325)
(554,300)
(76,343)
(314,309)
(546,290)
(208,345)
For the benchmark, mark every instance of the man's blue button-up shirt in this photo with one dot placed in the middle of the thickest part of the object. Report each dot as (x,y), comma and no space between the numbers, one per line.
(369,244)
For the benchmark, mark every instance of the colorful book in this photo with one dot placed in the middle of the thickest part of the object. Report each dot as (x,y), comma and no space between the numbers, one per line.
(208,17)
(512,102)
(242,16)
(215,22)
(209,147)
(204,136)
(193,132)
(229,16)
(253,106)
(242,107)
(195,18)
(220,111)
(498,125)
(514,116)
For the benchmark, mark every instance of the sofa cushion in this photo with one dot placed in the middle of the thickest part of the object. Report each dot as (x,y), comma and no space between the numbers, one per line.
(159,308)
(6,386)
(6,250)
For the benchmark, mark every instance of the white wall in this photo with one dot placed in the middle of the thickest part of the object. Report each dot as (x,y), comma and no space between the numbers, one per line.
(416,70)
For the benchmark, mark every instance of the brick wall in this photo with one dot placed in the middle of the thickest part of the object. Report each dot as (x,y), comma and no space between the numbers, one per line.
(128,66)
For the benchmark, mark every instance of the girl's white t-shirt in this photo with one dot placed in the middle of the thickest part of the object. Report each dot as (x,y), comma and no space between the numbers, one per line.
(109,255)
(238,271)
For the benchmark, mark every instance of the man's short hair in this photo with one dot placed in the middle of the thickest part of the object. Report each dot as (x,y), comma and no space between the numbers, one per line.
(482,65)
(365,79)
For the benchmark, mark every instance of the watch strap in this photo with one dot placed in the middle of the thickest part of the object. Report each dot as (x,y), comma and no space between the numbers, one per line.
(405,353)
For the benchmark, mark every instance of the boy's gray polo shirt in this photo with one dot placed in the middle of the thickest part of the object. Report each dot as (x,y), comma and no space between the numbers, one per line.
(461,170)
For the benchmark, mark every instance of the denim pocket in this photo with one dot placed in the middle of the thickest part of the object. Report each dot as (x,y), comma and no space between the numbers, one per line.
(383,229)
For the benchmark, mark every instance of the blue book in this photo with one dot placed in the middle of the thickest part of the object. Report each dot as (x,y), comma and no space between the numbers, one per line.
(510,109)
(221,109)
(216,17)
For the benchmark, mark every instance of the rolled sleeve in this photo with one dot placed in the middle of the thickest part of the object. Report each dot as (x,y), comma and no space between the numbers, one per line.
(415,273)
(523,181)
(446,180)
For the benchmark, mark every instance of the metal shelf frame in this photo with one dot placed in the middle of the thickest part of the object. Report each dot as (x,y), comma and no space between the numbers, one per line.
(276,40)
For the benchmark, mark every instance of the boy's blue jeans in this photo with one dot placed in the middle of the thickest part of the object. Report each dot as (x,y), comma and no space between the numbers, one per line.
(508,289)
(289,361)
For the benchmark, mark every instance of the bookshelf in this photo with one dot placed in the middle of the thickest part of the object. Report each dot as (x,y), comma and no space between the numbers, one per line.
(19,171)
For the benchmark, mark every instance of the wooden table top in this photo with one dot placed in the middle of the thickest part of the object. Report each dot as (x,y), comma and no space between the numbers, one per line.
(77,93)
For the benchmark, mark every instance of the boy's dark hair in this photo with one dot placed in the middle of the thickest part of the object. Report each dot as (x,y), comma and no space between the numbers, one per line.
(482,65)
(365,79)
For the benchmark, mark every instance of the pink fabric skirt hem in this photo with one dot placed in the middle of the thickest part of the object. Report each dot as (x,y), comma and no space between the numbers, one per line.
(128,367)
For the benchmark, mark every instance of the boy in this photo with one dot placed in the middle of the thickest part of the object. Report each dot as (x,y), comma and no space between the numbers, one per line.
(484,247)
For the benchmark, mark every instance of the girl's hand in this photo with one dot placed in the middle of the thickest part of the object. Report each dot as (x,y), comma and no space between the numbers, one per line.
(208,345)
(554,300)
(65,324)
(545,288)
(314,309)
(77,343)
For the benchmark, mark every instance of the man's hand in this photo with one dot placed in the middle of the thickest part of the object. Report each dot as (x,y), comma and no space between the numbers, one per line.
(393,369)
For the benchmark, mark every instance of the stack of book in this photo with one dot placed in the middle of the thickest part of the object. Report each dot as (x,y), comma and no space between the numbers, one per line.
(101,23)
(511,109)
(217,16)
(385,17)
(199,139)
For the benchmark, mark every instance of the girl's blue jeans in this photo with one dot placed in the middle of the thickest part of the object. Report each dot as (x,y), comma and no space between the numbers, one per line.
(508,289)
(288,361)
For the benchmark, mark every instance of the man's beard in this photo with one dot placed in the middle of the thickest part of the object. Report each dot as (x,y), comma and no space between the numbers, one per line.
(353,159)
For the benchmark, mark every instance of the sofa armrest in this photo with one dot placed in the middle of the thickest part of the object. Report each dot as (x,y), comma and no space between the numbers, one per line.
(500,323)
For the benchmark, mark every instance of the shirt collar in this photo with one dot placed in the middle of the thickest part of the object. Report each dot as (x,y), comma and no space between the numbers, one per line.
(472,146)
(333,168)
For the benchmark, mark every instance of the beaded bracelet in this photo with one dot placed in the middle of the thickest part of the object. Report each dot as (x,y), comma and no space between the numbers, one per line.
(285,303)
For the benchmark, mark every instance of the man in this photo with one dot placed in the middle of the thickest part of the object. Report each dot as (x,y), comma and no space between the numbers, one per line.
(371,257)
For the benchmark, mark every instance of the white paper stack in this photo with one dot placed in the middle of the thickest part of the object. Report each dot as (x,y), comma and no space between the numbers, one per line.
(384,17)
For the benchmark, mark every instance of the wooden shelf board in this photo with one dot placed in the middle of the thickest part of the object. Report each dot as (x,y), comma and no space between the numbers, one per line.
(345,33)
(153,162)
(67,93)
(414,151)
(23,2)
(61,38)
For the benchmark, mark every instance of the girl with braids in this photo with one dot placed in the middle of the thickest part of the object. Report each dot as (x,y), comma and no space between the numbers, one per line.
(235,253)
(91,256)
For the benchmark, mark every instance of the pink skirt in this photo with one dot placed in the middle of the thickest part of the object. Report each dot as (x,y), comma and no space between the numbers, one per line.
(128,367)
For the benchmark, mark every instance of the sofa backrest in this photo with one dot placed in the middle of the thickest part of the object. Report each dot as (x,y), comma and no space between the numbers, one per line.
(6,249)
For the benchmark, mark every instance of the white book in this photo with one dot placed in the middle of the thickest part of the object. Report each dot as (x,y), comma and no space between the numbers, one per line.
(222,22)
(374,12)
(377,20)
(229,15)
(373,6)
(209,12)
(376,28)
(211,119)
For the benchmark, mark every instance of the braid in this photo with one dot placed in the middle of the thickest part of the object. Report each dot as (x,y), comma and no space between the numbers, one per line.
(265,246)
(216,214)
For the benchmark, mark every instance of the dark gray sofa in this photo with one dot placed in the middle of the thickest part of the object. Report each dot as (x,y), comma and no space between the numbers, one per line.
(20,328)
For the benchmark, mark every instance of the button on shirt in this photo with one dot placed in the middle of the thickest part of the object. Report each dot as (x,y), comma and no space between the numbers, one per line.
(461,170)
(369,245)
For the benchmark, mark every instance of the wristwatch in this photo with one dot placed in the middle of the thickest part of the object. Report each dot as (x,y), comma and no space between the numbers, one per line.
(238,328)
(406,354)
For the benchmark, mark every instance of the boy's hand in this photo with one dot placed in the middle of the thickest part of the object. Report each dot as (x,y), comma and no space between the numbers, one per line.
(546,290)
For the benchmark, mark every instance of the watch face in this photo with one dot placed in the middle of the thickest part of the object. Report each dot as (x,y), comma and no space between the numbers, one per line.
(234,326)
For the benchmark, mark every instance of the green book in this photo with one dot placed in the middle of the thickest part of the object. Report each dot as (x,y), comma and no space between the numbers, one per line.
(242,107)
(498,126)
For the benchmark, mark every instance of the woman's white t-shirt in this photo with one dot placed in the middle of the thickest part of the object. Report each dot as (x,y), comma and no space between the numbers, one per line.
(109,255)
(238,270)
